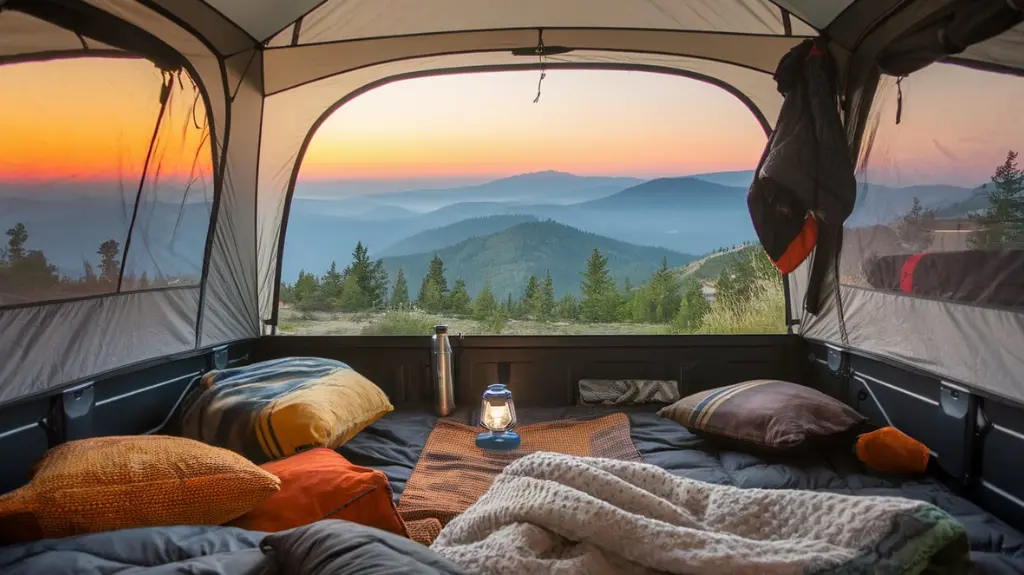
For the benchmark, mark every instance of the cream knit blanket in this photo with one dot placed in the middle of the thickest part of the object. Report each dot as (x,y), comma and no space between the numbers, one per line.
(553,513)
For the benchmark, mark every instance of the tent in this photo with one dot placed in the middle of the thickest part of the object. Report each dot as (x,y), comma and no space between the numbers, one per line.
(270,72)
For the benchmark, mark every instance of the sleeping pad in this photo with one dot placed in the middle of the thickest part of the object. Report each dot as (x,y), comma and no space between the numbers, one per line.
(327,547)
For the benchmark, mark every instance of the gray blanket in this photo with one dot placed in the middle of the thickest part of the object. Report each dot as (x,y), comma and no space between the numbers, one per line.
(322,548)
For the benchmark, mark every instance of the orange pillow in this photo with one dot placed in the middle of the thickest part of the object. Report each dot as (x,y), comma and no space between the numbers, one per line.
(111,483)
(321,484)
(889,450)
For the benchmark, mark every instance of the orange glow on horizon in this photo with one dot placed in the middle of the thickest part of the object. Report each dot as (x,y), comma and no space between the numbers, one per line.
(487,126)
(91,120)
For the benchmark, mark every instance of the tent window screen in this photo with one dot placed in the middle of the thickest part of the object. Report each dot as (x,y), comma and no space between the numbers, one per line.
(940,204)
(105,179)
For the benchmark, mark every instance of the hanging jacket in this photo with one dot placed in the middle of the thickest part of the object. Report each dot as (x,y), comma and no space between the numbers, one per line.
(804,187)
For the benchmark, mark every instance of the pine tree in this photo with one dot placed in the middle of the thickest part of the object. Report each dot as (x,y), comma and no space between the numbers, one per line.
(110,267)
(600,296)
(144,281)
(459,302)
(434,287)
(431,299)
(915,230)
(88,274)
(306,291)
(378,285)
(16,244)
(485,305)
(665,296)
(692,308)
(331,284)
(436,273)
(545,306)
(528,300)
(567,308)
(351,297)
(1004,219)
(400,292)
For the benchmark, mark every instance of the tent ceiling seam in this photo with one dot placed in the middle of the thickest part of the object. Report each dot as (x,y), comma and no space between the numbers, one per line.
(150,4)
(285,27)
(296,31)
(530,28)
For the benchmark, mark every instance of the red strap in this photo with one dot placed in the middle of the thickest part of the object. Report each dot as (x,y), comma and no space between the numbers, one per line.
(907,273)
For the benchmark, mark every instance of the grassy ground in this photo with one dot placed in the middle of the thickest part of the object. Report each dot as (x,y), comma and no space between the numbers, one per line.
(416,323)
(721,320)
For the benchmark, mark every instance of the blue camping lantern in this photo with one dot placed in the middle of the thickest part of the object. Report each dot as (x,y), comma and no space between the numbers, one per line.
(498,415)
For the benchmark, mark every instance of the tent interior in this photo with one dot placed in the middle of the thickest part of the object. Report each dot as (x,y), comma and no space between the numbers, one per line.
(921,331)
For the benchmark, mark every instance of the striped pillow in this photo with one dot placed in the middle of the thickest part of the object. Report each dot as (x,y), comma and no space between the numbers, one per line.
(765,414)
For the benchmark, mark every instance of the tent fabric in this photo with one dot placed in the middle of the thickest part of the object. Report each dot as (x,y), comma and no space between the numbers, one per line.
(926,279)
(294,66)
(49,345)
(269,71)
(336,20)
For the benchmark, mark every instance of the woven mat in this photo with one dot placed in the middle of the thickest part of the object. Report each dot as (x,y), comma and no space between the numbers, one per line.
(452,473)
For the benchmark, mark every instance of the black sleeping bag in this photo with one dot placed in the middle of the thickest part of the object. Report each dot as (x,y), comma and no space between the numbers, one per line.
(324,548)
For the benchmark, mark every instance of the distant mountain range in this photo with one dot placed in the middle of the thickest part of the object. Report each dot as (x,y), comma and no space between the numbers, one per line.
(685,215)
(509,257)
(638,219)
(877,204)
(549,187)
(672,194)
(439,238)
(170,238)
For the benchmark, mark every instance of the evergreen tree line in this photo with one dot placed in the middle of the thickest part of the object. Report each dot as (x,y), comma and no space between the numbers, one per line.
(663,299)
(1001,222)
(27,275)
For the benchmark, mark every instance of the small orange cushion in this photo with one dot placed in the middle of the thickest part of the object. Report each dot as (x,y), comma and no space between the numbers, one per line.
(120,482)
(889,450)
(321,484)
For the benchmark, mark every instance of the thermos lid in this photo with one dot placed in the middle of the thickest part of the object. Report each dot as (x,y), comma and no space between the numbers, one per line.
(439,329)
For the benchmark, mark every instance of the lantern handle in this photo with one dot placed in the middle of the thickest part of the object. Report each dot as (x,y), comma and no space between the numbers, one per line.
(504,373)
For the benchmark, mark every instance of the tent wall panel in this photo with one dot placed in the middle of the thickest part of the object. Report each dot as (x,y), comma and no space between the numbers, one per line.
(21,34)
(48,346)
(289,117)
(229,310)
(263,18)
(226,37)
(976,346)
(347,19)
(1006,50)
(294,66)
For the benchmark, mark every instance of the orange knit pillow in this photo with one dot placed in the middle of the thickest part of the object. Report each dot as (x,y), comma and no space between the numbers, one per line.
(321,484)
(110,483)
(889,450)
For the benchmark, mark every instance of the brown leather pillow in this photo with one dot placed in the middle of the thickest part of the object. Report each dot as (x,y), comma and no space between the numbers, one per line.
(765,414)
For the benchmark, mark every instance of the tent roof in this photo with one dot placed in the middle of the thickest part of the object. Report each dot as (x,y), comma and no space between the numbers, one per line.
(310,21)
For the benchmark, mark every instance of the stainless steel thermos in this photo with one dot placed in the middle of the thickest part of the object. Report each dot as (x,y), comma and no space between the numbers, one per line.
(444,392)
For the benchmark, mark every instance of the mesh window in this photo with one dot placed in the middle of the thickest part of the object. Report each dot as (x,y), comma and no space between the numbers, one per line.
(940,203)
(105,179)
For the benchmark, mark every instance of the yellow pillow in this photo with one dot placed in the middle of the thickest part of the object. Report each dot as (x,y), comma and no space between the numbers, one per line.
(274,409)
(110,483)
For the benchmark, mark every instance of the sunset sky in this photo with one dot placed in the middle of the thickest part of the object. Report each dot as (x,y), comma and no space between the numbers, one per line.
(91,120)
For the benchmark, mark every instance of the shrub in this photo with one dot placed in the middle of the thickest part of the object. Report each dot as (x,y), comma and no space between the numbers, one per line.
(401,323)
(494,324)
(764,311)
